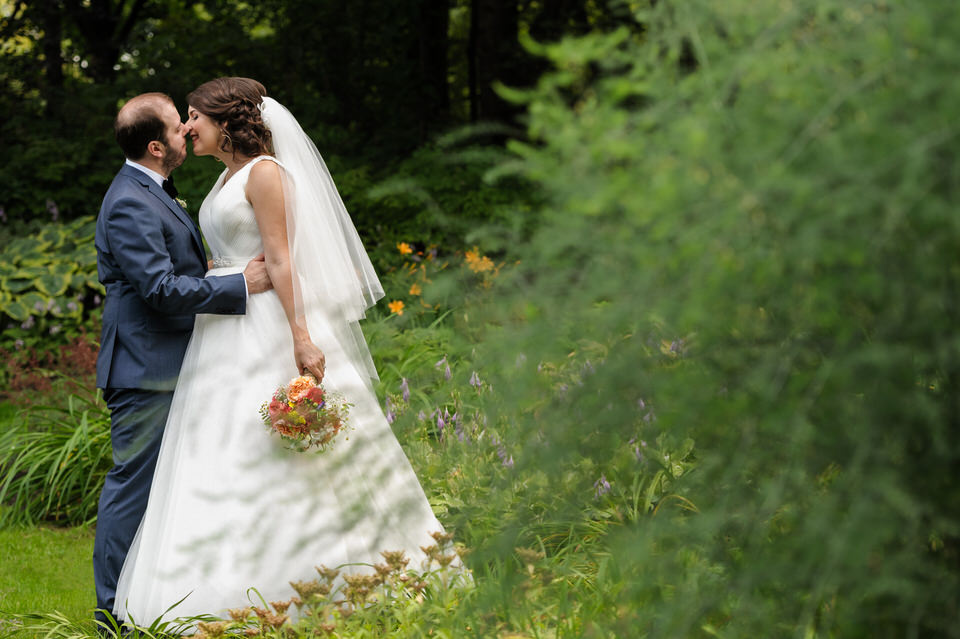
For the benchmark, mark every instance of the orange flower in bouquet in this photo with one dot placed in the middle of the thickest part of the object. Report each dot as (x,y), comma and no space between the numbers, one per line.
(304,414)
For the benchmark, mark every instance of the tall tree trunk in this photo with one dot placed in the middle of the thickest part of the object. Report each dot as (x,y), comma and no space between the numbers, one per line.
(472,62)
(433,22)
(497,55)
(105,26)
(50,23)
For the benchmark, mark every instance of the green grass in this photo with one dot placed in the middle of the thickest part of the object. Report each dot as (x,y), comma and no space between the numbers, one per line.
(46,569)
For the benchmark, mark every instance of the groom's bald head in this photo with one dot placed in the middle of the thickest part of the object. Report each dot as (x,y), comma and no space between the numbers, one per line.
(139,122)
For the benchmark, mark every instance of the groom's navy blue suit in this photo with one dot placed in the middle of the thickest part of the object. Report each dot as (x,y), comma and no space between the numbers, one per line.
(152,262)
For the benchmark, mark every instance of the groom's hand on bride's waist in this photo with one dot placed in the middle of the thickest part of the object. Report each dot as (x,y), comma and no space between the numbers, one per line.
(256,276)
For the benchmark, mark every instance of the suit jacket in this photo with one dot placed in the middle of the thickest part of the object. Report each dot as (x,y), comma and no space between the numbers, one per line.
(151,260)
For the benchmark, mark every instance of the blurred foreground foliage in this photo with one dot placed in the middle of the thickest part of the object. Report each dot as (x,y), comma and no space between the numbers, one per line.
(749,242)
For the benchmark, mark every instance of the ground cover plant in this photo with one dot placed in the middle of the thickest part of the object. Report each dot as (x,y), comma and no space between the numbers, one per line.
(707,385)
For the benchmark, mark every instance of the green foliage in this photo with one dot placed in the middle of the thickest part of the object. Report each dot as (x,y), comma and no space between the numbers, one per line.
(46,272)
(754,247)
(49,302)
(54,460)
(437,197)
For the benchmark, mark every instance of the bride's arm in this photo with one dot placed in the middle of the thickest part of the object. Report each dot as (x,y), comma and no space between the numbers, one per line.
(265,193)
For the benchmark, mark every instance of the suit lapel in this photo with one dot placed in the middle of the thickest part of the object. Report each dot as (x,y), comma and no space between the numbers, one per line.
(169,202)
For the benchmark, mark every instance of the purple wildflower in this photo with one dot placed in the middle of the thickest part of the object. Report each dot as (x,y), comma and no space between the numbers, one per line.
(475,380)
(72,307)
(676,347)
(55,329)
(390,415)
(421,415)
(458,427)
(601,487)
(440,423)
(28,324)
(446,368)
(405,389)
(53,210)
(96,300)
(39,307)
(505,459)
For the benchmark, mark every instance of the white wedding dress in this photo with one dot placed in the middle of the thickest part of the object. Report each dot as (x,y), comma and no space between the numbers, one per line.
(230,508)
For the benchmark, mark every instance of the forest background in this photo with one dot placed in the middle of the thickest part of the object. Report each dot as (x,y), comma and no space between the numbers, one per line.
(671,327)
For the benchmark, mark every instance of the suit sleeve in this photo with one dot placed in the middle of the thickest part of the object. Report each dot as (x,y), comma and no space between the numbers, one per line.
(136,239)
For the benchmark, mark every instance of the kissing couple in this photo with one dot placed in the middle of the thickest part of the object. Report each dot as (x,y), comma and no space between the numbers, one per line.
(202,503)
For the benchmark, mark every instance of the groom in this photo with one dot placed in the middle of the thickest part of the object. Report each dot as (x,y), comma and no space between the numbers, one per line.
(152,262)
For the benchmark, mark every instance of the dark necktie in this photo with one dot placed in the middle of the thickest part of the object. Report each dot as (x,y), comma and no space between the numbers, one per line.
(170,189)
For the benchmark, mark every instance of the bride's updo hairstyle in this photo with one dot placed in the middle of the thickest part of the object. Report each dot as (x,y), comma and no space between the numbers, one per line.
(234,104)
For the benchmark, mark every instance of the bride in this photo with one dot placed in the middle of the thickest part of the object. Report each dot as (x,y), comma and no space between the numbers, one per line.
(230,509)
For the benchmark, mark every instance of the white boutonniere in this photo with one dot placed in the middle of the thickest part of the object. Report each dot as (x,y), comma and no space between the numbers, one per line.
(182,202)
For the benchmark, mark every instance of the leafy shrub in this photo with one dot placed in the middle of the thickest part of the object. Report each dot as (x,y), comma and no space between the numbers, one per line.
(48,274)
(49,303)
(745,233)
(53,460)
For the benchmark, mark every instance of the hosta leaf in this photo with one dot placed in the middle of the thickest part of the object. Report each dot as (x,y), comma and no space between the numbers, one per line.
(82,230)
(53,283)
(95,284)
(16,310)
(35,302)
(18,284)
(25,248)
(52,236)
(84,256)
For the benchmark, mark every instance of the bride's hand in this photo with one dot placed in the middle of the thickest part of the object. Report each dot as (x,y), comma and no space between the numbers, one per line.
(310,359)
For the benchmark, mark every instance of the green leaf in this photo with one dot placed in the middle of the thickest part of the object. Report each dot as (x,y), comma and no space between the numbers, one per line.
(53,283)
(24,248)
(16,309)
(32,299)
(17,285)
(52,236)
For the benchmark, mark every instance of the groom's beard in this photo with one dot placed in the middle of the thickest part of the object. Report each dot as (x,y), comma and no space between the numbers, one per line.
(172,159)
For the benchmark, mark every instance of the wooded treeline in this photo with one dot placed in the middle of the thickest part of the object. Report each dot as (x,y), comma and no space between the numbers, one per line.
(370,79)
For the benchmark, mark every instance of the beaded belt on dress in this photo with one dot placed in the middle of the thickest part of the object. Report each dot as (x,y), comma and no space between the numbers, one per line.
(221,262)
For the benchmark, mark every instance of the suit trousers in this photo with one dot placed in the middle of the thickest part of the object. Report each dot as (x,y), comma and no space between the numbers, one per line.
(137,419)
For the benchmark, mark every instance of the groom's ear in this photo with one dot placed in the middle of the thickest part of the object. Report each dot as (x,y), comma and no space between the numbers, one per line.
(155,148)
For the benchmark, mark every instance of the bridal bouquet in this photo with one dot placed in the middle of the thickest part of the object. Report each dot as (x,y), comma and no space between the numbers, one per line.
(304,414)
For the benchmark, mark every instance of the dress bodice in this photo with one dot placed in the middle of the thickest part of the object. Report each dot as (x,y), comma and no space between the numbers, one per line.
(227,219)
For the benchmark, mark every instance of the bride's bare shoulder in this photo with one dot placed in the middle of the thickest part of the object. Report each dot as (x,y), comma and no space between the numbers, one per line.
(265,172)
(264,179)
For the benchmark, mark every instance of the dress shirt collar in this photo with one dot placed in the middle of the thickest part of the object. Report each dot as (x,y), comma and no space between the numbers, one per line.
(156,177)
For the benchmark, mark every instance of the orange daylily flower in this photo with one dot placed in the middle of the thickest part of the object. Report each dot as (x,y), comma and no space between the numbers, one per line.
(396,306)
(404,248)
(415,289)
(478,263)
